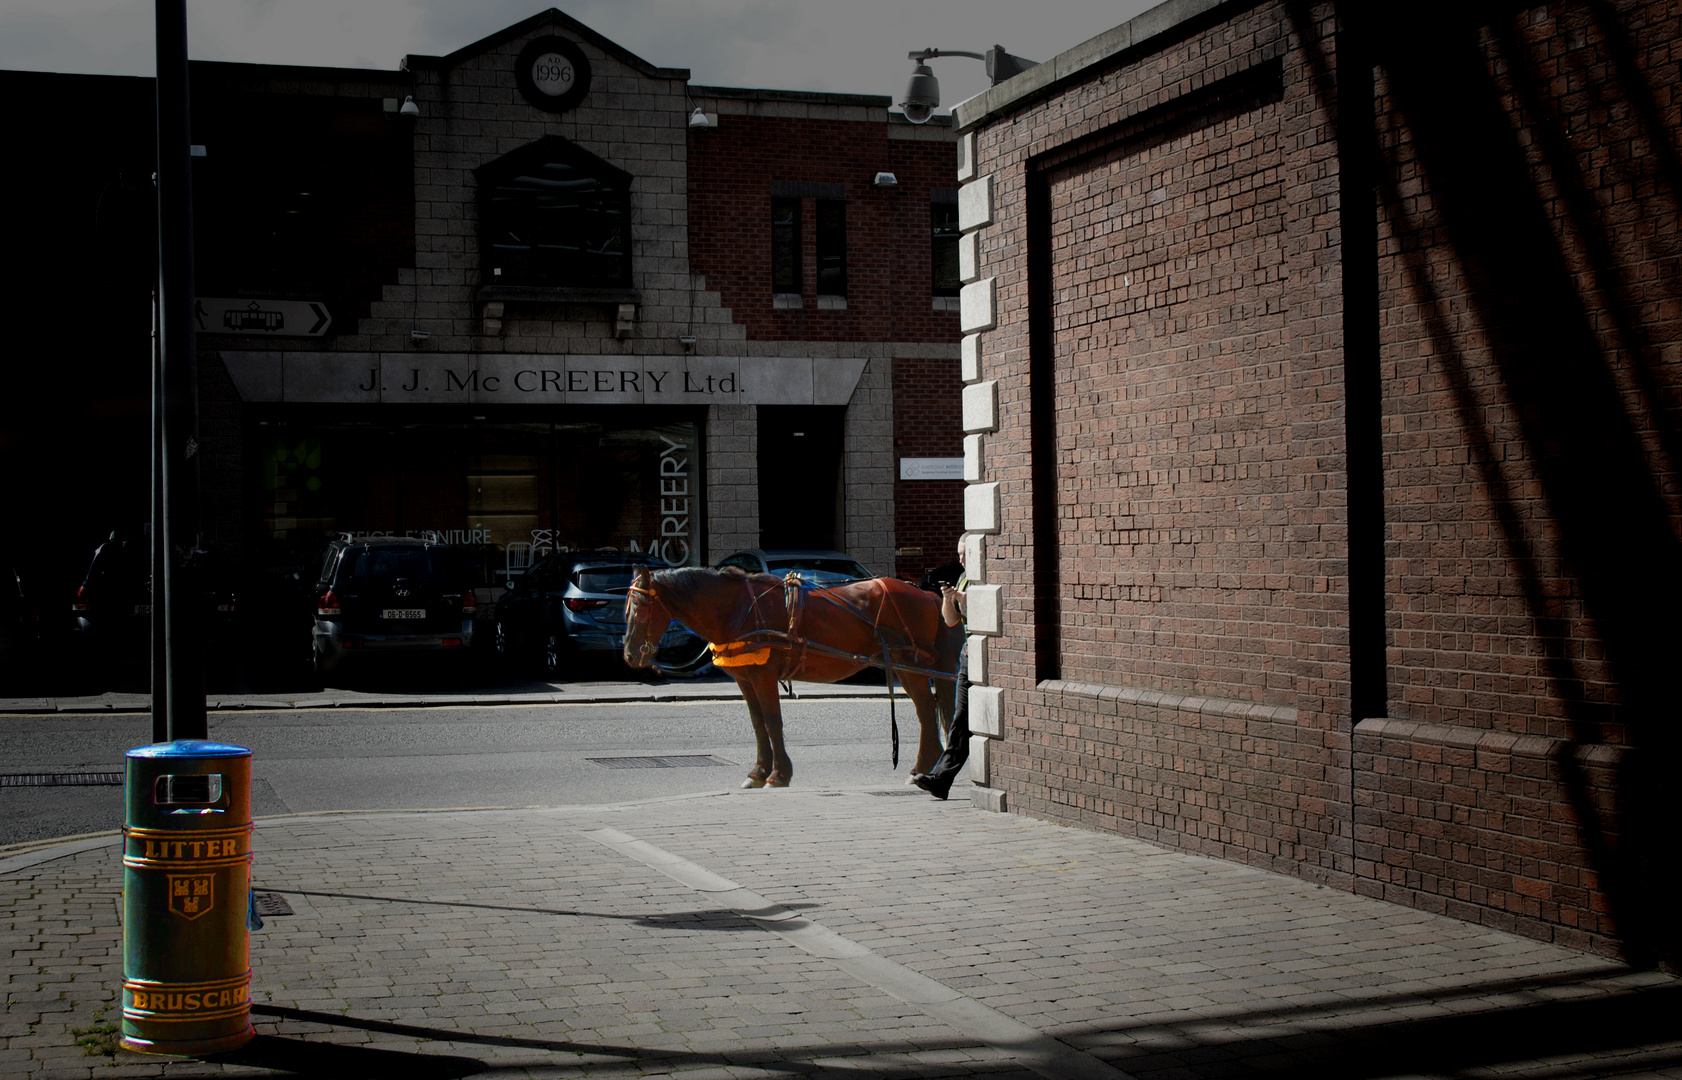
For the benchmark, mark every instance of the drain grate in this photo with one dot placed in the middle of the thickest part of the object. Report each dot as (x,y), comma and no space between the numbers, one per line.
(69,779)
(267,903)
(670,761)
(902,791)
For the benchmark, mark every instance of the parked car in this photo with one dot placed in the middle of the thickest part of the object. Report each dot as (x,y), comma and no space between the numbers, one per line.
(571,606)
(486,567)
(20,627)
(386,597)
(113,613)
(813,565)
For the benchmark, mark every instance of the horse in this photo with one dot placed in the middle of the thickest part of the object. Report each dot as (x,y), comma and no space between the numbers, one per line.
(834,632)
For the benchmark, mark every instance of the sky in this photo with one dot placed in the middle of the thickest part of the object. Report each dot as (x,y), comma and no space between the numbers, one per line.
(838,46)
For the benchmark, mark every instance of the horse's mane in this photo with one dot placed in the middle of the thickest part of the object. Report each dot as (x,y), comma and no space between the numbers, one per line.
(683,584)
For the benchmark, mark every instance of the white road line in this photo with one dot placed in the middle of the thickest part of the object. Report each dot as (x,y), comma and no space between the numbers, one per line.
(1051,1058)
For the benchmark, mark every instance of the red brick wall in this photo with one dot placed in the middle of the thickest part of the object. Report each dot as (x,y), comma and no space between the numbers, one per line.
(928,514)
(889,289)
(1531,381)
(1198,454)
(1529,344)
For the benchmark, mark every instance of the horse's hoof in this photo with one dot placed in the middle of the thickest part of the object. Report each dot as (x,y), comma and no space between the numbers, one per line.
(911,781)
(752,783)
(776,783)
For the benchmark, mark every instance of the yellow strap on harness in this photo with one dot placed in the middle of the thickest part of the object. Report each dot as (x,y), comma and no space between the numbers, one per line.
(739,654)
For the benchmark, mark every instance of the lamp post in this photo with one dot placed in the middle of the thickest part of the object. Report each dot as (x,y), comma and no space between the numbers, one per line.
(922,94)
(178,708)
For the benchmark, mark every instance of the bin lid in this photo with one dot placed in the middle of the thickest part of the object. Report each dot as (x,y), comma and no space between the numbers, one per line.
(188,748)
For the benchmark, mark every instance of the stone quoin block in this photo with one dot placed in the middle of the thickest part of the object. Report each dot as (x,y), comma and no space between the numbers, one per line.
(981,508)
(975,552)
(977,770)
(985,716)
(966,157)
(973,469)
(982,604)
(975,204)
(976,307)
(969,358)
(976,662)
(981,407)
(969,257)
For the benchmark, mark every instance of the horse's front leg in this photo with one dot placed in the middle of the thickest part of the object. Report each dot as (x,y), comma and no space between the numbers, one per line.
(751,690)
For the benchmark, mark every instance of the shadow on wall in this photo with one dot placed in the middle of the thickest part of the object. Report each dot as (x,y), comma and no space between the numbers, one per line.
(1564,283)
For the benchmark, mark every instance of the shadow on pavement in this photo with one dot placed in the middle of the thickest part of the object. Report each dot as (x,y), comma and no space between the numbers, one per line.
(330,1061)
(1329,1043)
(714,919)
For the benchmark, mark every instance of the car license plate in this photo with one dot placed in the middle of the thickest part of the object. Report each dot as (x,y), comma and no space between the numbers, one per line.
(403,613)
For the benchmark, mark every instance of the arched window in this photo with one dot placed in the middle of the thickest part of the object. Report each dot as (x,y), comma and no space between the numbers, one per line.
(553,215)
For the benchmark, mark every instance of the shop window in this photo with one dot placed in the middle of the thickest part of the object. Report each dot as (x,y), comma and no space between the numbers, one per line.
(786,265)
(832,248)
(553,215)
(513,490)
(943,246)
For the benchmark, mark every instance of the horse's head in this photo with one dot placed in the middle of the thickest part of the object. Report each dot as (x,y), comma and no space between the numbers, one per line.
(646,620)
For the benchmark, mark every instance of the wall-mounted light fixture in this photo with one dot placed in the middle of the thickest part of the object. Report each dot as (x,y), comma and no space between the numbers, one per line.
(922,93)
(885,179)
(409,109)
(419,336)
(698,119)
(687,341)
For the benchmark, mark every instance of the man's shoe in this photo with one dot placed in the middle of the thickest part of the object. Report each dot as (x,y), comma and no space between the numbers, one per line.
(932,786)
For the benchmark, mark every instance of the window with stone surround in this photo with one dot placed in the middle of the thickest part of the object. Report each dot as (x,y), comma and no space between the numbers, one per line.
(943,242)
(832,247)
(785,246)
(553,215)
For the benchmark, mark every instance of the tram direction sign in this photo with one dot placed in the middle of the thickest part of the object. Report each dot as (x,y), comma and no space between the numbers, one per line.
(262,318)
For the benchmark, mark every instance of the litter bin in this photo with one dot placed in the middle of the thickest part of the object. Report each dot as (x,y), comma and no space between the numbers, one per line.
(186,890)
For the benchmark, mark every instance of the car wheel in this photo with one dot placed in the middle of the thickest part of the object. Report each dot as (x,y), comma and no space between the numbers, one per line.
(554,656)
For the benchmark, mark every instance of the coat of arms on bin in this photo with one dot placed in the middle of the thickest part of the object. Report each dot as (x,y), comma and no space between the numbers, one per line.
(191,895)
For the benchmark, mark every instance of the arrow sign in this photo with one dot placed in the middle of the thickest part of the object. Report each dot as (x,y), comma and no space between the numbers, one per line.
(262,318)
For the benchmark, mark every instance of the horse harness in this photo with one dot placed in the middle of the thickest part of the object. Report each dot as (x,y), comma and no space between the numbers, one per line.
(754,647)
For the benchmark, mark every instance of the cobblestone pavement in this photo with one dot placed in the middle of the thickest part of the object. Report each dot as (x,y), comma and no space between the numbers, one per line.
(818,933)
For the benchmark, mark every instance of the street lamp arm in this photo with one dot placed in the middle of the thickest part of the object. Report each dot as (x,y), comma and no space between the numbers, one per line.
(929,54)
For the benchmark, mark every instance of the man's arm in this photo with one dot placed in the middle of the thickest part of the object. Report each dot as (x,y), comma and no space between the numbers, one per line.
(951,605)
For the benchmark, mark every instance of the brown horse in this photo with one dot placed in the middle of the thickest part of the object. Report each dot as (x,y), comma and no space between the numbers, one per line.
(835,632)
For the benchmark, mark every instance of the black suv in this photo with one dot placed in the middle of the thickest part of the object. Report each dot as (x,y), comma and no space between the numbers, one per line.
(571,604)
(386,596)
(113,613)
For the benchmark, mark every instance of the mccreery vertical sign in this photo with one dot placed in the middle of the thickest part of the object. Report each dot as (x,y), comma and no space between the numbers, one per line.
(514,379)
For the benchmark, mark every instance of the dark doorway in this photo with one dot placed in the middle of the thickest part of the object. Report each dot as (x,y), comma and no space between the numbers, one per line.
(800,475)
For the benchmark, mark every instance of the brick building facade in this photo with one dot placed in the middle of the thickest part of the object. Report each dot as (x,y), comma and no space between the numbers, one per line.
(522,295)
(1321,386)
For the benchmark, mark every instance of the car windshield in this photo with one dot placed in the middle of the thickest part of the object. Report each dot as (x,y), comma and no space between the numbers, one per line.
(830,567)
(604,579)
(388,564)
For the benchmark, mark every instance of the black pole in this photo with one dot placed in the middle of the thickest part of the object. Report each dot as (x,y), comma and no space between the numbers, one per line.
(177,529)
(154,534)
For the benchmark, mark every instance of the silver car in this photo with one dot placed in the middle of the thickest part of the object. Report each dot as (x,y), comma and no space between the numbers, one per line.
(813,565)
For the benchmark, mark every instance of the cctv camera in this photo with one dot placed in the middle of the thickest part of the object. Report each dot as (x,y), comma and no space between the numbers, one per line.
(922,95)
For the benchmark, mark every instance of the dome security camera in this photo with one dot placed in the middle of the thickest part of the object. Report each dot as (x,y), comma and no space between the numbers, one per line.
(922,95)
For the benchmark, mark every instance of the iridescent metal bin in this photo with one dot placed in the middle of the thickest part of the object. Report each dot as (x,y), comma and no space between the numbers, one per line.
(186,890)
